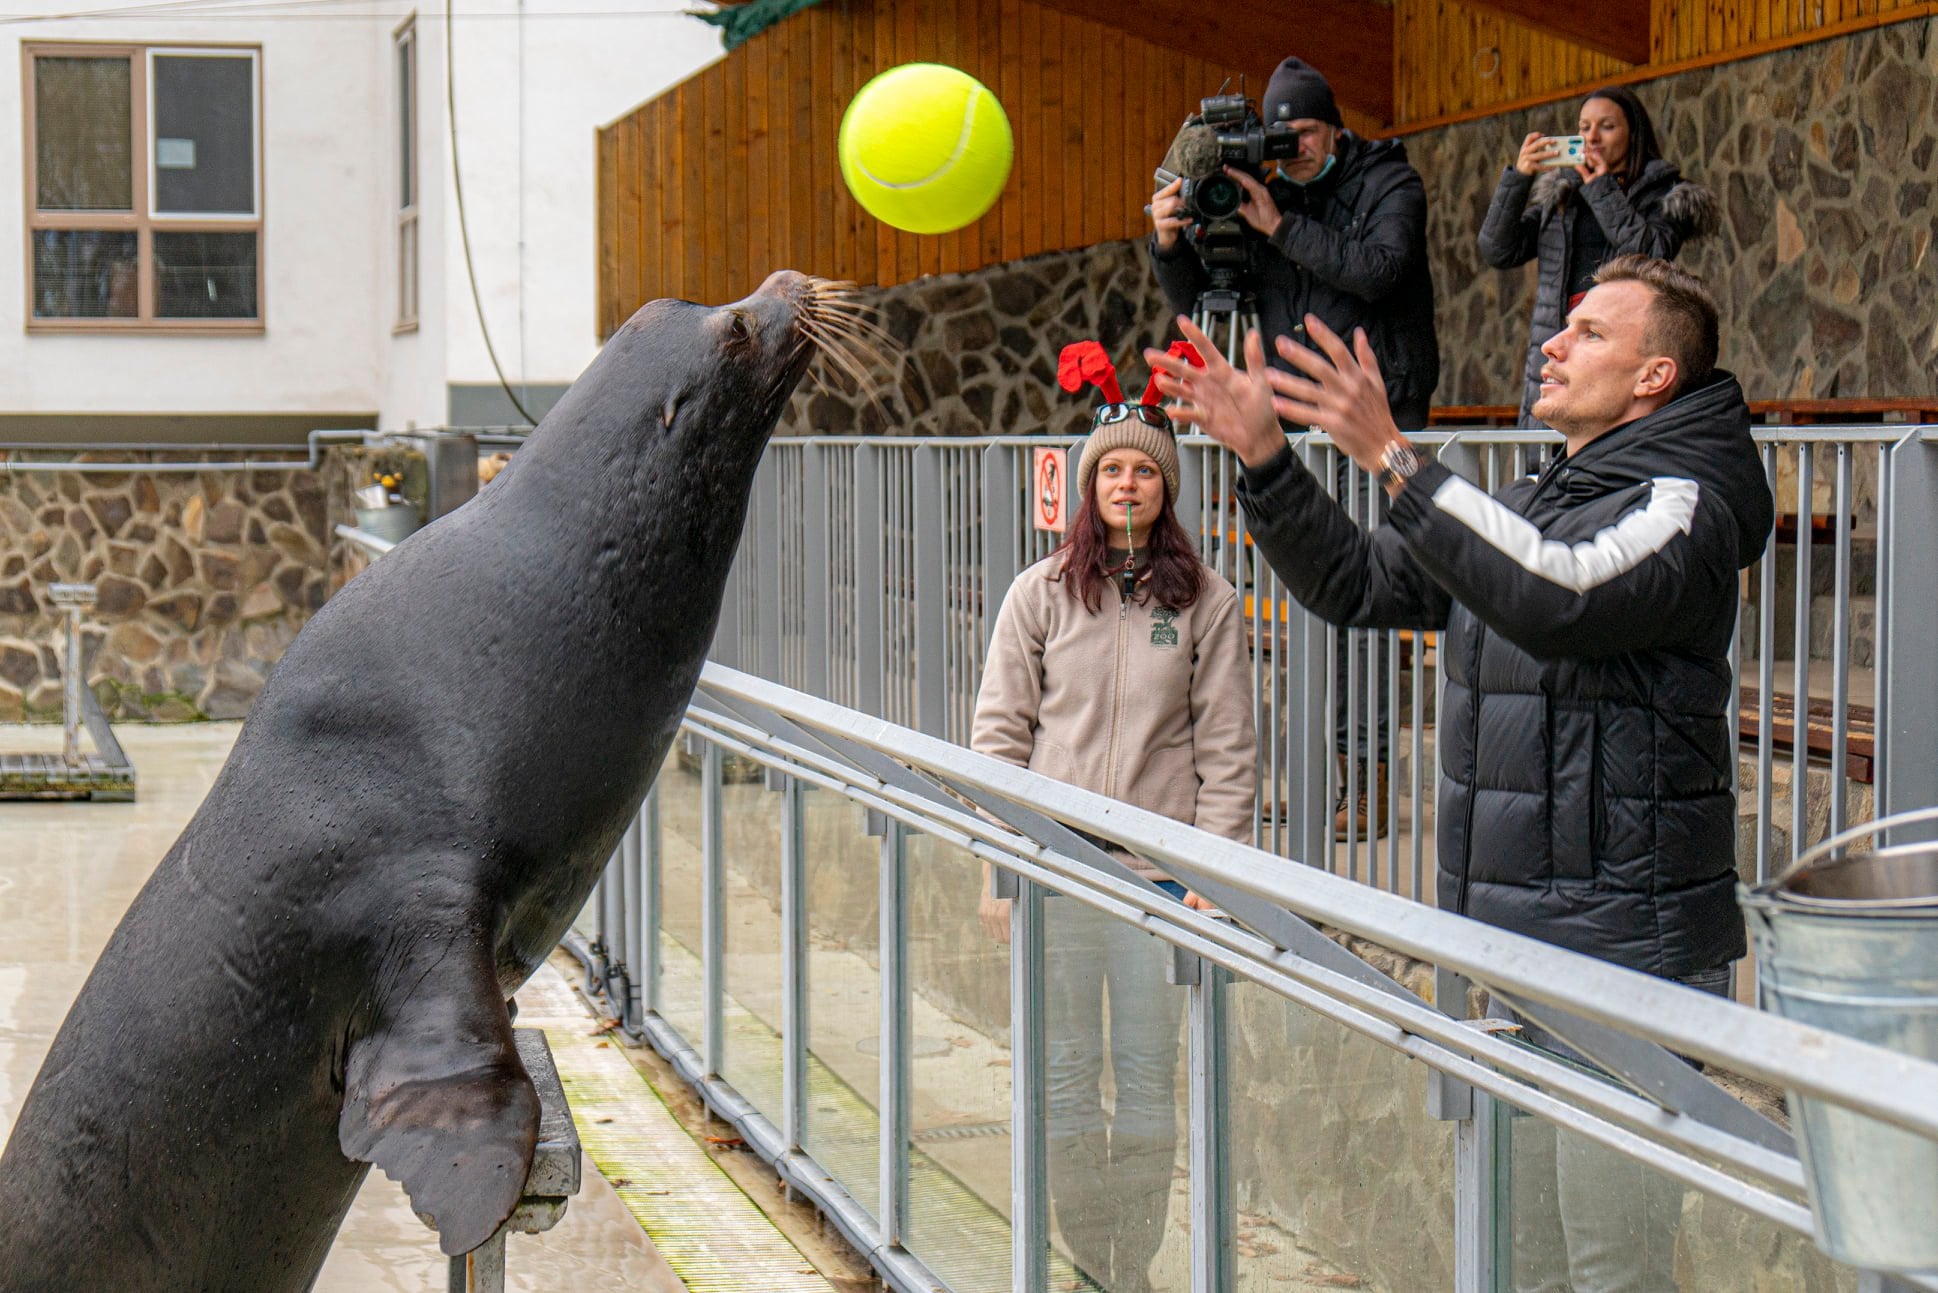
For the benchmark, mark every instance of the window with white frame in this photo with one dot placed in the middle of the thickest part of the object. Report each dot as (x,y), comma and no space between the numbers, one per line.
(406,42)
(144,187)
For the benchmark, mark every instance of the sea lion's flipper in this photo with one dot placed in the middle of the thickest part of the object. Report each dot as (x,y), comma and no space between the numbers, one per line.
(437,1098)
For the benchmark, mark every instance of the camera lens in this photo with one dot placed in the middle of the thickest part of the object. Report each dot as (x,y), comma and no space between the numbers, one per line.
(1218,197)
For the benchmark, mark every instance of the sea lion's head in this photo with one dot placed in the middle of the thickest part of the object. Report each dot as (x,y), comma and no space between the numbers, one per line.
(721,387)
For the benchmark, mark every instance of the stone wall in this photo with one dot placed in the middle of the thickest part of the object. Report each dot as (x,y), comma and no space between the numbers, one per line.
(981,348)
(203,579)
(1824,159)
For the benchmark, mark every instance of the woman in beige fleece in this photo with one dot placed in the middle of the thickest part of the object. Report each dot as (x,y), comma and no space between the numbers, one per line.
(1119,664)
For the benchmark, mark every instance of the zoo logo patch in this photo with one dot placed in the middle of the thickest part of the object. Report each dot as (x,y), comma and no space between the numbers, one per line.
(1164,632)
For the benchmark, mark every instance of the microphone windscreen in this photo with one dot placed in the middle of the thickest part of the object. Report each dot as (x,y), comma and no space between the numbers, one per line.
(1194,153)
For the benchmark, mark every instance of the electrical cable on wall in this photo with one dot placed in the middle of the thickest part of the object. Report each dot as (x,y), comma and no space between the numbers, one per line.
(464,228)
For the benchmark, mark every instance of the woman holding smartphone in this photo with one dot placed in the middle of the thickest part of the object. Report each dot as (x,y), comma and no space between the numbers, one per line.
(1619,197)
(1119,664)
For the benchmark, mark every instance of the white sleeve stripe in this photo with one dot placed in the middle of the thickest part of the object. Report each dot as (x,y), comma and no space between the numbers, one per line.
(1578,567)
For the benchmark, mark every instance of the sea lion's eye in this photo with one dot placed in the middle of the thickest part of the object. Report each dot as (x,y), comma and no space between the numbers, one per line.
(737,330)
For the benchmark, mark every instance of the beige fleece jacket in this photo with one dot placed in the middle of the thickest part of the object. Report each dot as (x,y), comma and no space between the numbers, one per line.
(1140,702)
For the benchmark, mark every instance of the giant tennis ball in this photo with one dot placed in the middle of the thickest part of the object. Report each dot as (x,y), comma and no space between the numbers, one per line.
(925,148)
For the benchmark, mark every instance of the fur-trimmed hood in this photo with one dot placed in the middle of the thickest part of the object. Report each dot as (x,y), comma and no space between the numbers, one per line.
(1692,206)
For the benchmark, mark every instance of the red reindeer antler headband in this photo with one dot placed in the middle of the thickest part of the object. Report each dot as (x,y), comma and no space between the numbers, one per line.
(1084,363)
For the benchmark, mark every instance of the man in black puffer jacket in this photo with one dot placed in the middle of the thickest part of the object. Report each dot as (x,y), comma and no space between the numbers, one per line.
(1586,734)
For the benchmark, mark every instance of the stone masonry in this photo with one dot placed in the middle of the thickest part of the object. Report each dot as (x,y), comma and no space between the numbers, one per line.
(1824,159)
(203,580)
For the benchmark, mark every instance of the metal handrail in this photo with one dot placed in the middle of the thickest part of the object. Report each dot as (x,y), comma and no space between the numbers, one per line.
(1669,1119)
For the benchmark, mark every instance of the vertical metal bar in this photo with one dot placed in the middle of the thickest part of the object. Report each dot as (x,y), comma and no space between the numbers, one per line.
(1800,704)
(931,591)
(1416,772)
(1766,687)
(631,875)
(1001,489)
(1208,1085)
(794,967)
(482,1270)
(869,530)
(71,689)
(763,573)
(815,570)
(1392,804)
(1840,682)
(1029,1176)
(894,1036)
(651,910)
(1880,636)
(1912,780)
(1478,1223)
(713,915)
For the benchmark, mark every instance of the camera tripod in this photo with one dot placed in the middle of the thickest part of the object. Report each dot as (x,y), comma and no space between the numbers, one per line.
(1225,315)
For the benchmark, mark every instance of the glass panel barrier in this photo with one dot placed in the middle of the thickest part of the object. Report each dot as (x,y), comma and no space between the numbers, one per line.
(959,1117)
(1579,1215)
(1339,1177)
(681,987)
(1119,1194)
(750,832)
(843,868)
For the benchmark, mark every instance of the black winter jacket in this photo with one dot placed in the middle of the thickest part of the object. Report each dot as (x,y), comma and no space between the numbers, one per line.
(1586,732)
(1352,249)
(1532,217)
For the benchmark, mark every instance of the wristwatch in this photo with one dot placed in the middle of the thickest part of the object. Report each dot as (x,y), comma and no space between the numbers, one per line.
(1397,463)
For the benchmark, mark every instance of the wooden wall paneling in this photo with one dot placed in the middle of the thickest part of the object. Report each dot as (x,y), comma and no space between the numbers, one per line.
(761,163)
(690,195)
(712,185)
(908,247)
(731,217)
(997,35)
(1050,231)
(630,270)
(1009,88)
(801,89)
(865,69)
(951,44)
(817,164)
(1030,115)
(841,208)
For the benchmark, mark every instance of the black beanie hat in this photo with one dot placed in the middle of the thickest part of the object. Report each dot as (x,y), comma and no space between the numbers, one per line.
(1296,92)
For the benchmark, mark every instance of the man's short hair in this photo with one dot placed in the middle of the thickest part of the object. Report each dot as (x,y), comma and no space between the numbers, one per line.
(1683,321)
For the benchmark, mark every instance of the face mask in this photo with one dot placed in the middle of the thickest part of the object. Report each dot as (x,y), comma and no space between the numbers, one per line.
(1325,170)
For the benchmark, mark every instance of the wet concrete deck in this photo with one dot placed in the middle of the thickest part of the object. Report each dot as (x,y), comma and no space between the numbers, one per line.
(69,870)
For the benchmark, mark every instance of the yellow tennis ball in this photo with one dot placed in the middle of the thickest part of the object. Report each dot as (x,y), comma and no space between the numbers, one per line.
(925,148)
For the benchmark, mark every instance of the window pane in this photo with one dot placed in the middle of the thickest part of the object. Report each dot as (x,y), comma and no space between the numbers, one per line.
(407,120)
(84,274)
(83,157)
(205,135)
(407,270)
(205,275)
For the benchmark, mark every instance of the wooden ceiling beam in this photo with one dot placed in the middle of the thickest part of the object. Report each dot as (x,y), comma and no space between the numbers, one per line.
(1349,41)
(1617,28)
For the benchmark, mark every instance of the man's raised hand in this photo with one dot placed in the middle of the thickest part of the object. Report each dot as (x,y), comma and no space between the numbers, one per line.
(1231,405)
(1340,392)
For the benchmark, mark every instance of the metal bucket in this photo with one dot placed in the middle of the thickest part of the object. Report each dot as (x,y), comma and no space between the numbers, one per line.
(1847,940)
(394,523)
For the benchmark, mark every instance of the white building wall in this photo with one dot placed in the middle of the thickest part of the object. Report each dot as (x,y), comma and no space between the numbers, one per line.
(321,107)
(533,85)
(532,91)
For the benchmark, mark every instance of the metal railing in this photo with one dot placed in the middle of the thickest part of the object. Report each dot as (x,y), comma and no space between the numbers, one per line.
(804,946)
(872,569)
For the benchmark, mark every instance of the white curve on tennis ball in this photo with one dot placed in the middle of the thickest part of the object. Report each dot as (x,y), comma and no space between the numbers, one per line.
(962,146)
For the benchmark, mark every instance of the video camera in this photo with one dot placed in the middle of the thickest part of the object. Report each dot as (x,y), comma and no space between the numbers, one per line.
(1227,131)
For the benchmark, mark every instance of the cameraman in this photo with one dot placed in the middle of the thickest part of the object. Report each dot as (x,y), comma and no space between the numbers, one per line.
(1339,232)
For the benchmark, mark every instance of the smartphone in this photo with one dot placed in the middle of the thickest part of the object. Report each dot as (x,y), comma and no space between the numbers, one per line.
(1573,149)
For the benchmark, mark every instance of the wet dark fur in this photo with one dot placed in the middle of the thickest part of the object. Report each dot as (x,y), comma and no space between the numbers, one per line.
(315,976)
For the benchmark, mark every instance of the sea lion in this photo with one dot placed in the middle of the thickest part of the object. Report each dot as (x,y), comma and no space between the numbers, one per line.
(314,979)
